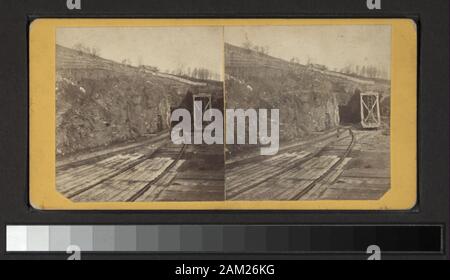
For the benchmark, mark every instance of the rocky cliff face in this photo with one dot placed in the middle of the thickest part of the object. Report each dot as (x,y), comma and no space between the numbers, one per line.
(100,102)
(308,99)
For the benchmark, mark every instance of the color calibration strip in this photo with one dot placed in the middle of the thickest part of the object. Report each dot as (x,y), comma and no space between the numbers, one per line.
(226,239)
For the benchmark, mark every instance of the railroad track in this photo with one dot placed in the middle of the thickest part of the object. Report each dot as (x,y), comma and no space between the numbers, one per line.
(96,156)
(162,152)
(305,191)
(132,171)
(280,172)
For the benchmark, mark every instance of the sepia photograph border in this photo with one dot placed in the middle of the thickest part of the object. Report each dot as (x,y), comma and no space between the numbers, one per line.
(42,160)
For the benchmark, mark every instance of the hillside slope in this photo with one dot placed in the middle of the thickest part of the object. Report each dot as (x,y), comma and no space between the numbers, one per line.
(308,99)
(101,102)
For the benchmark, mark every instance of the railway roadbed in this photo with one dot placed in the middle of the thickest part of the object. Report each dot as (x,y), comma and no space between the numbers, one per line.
(161,171)
(351,166)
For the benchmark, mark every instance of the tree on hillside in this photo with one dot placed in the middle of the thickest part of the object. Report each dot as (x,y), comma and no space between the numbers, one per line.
(295,60)
(126,62)
(261,50)
(203,74)
(264,50)
(82,49)
(363,71)
(369,71)
(95,52)
(194,73)
(140,61)
(247,43)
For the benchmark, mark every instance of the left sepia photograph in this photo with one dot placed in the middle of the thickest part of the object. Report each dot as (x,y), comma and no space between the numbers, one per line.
(116,90)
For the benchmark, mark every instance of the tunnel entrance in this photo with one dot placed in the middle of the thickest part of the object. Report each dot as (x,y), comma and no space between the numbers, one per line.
(350,113)
(210,98)
(203,100)
(206,102)
(362,109)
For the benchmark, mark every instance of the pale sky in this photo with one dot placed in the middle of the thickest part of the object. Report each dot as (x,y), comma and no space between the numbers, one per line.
(168,48)
(335,46)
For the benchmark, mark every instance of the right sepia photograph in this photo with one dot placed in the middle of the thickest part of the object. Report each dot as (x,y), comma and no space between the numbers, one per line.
(328,91)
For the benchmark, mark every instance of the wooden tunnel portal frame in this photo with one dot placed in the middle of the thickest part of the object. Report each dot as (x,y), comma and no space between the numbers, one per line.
(202,97)
(370,110)
(205,105)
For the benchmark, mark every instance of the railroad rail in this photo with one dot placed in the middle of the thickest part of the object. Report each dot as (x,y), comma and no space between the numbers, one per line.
(158,178)
(288,168)
(329,171)
(132,170)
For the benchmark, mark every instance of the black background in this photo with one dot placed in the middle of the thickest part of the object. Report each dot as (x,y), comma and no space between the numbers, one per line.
(433,206)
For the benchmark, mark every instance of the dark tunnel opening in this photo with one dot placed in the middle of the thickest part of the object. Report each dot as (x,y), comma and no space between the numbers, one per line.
(211,98)
(351,112)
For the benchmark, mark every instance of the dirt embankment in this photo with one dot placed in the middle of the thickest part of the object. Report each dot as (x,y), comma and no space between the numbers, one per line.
(309,100)
(100,102)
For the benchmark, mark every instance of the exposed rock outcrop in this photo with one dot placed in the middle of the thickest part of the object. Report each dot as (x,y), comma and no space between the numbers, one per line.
(309,99)
(101,102)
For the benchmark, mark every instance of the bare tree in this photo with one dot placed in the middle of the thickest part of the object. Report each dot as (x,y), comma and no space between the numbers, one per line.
(247,43)
(82,49)
(140,61)
(295,60)
(95,52)
(126,62)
